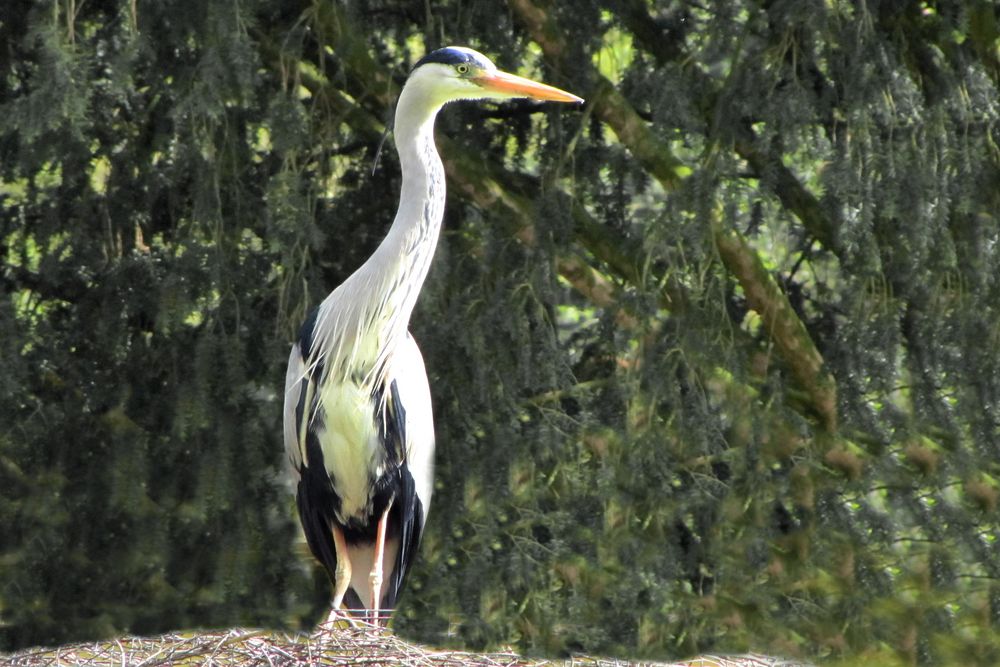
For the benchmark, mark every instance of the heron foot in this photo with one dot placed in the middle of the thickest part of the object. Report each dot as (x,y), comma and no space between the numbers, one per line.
(341,618)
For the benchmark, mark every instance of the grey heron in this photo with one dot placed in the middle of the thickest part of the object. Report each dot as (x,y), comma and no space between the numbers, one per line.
(357,412)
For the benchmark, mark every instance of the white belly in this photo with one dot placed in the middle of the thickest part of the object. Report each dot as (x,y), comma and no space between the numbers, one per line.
(352,453)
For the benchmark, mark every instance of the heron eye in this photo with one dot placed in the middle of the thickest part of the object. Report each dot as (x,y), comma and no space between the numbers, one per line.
(462,69)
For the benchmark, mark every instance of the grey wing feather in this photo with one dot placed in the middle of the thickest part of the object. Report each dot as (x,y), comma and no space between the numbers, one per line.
(410,403)
(294,384)
(411,383)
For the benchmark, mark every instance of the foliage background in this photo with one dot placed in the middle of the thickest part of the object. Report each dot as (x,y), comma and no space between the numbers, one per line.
(714,357)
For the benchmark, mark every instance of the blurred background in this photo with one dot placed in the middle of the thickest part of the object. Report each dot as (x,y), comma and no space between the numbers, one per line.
(715,357)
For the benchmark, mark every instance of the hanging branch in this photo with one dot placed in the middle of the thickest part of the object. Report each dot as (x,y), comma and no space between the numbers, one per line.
(785,185)
(782,324)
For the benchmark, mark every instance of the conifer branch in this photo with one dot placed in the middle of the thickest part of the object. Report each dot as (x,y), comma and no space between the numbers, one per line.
(783,325)
(609,105)
(785,185)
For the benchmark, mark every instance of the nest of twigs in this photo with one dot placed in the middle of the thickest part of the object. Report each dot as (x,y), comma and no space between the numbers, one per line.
(327,647)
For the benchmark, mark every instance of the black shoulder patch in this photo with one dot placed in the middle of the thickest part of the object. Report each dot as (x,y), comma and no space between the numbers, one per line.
(306,332)
(449,55)
(410,510)
(390,419)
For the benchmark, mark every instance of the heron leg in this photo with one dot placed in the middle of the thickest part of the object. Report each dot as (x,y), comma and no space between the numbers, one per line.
(376,573)
(342,577)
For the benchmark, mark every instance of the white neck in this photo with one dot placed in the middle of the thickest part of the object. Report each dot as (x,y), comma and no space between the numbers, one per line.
(409,246)
(370,311)
(404,256)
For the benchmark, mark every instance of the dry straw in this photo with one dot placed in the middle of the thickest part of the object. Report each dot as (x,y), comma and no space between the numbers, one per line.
(327,647)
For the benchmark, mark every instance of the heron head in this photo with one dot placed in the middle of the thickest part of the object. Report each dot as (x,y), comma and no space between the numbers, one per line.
(459,73)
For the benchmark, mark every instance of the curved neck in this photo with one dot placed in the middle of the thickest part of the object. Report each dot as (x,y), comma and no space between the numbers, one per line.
(408,248)
(414,230)
(366,318)
(391,279)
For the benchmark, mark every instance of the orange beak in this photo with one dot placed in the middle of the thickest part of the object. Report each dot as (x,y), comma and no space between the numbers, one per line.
(518,86)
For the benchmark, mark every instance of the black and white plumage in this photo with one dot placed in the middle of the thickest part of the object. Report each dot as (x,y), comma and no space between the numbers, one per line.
(358,428)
